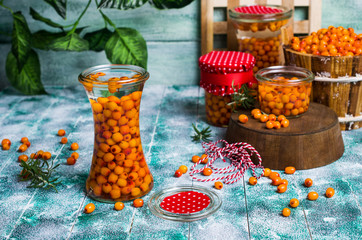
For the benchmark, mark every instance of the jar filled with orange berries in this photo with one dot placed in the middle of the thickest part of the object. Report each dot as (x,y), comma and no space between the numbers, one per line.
(258,30)
(223,73)
(284,90)
(119,171)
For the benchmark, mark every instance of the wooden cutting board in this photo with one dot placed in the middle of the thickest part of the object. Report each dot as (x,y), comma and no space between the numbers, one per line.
(310,141)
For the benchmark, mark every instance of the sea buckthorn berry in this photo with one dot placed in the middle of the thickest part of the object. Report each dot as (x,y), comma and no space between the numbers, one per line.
(263,118)
(178,173)
(282,188)
(71,161)
(204,158)
(195,159)
(22,148)
(257,115)
(284,123)
(289,170)
(75,155)
(276,125)
(24,140)
(183,169)
(97,107)
(255,111)
(74,146)
(313,196)
(23,158)
(138,203)
(6,142)
(281,118)
(218,185)
(272,117)
(207,171)
(243,118)
(267,172)
(253,181)
(329,192)
(61,132)
(28,144)
(64,140)
(46,155)
(285,181)
(286,212)
(273,175)
(308,182)
(5,146)
(118,206)
(269,124)
(89,208)
(276,181)
(294,202)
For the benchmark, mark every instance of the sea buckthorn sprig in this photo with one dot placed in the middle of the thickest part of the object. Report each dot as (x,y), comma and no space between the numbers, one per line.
(331,41)
(239,155)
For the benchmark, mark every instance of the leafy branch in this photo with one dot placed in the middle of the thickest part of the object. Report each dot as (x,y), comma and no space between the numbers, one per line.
(201,135)
(39,172)
(242,98)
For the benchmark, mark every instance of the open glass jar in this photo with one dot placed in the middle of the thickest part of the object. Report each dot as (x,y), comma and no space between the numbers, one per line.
(258,30)
(284,90)
(119,171)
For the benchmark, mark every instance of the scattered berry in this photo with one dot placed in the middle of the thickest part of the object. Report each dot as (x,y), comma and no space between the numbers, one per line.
(289,170)
(218,185)
(286,212)
(64,140)
(313,196)
(71,161)
(61,132)
(329,192)
(75,155)
(273,175)
(269,125)
(308,182)
(253,181)
(89,208)
(178,173)
(195,159)
(207,171)
(23,158)
(119,206)
(264,118)
(276,181)
(282,188)
(6,142)
(267,172)
(243,118)
(204,158)
(138,203)
(24,140)
(74,146)
(46,155)
(183,169)
(285,181)
(22,148)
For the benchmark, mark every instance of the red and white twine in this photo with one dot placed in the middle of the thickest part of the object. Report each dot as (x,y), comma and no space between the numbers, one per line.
(239,155)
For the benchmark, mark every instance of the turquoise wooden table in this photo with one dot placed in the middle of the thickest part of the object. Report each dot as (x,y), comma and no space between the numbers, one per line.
(167,112)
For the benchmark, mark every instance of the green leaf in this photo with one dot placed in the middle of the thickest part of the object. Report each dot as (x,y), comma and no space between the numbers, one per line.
(165,4)
(60,6)
(72,42)
(21,38)
(121,4)
(47,21)
(97,40)
(127,46)
(27,80)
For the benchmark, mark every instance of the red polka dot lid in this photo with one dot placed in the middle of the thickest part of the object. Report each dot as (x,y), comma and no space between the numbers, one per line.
(224,62)
(221,70)
(257,9)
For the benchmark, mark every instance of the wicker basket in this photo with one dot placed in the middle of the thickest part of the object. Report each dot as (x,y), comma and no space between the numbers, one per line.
(337,83)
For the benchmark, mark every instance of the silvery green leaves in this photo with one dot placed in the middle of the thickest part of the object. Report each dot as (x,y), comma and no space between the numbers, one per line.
(127,46)
(126,4)
(60,6)
(22,63)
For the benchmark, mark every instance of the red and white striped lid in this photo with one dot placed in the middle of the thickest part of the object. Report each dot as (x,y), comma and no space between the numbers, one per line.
(224,62)
(257,9)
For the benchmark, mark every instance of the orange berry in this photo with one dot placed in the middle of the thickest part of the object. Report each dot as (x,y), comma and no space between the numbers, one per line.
(61,132)
(207,171)
(24,140)
(272,117)
(313,196)
(273,175)
(281,118)
(243,118)
(138,203)
(264,118)
(183,169)
(64,140)
(285,181)
(257,115)
(218,185)
(329,192)
(276,125)
(308,182)
(75,155)
(71,161)
(6,142)
(74,146)
(294,202)
(269,125)
(289,170)
(6,146)
(282,188)
(204,158)
(253,181)
(23,148)
(276,181)
(286,212)
(267,172)
(255,111)
(119,206)
(178,173)
(23,158)
(89,208)
(284,123)
(46,155)
(195,159)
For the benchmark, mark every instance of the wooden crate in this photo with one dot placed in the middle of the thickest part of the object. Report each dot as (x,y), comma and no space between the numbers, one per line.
(209,28)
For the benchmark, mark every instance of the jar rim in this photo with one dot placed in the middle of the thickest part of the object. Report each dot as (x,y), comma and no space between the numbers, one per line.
(308,76)
(143,74)
(269,17)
